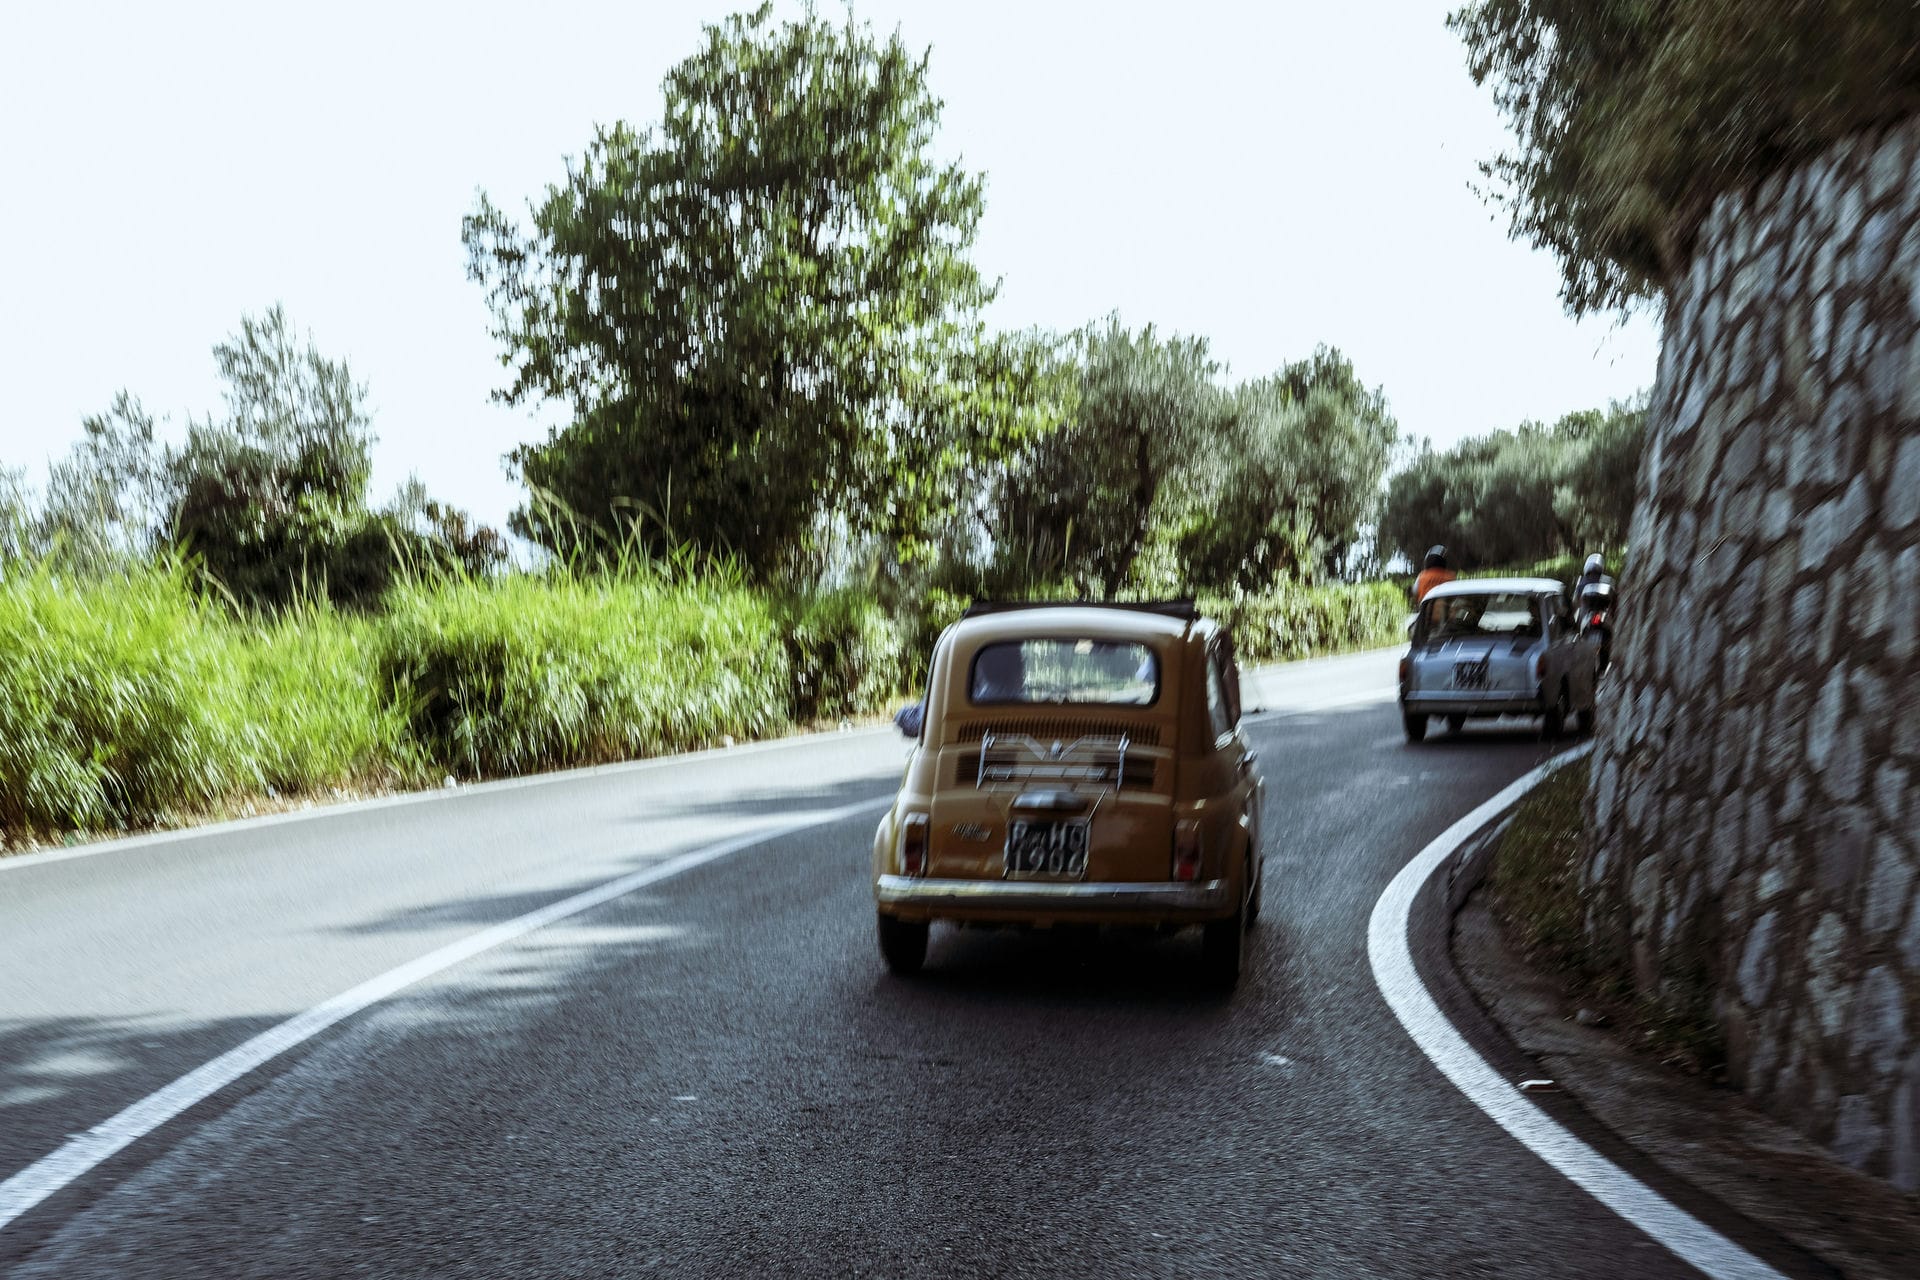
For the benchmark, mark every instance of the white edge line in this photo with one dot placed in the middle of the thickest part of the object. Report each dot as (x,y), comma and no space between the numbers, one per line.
(151,839)
(84,1151)
(145,840)
(1691,1240)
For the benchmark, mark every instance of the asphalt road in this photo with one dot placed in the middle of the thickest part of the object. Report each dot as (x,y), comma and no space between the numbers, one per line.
(715,1076)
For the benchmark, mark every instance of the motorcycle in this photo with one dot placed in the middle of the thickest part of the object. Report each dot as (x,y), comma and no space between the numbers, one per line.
(1596,619)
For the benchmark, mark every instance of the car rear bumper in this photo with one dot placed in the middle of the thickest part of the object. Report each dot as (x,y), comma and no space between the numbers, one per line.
(1147,902)
(1445,703)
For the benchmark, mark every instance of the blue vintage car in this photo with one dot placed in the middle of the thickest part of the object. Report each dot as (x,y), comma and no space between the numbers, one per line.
(1486,647)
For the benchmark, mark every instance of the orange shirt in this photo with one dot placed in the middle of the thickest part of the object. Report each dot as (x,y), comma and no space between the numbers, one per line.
(1428,580)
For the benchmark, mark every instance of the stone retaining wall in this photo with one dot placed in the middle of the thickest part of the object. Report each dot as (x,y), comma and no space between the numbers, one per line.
(1756,795)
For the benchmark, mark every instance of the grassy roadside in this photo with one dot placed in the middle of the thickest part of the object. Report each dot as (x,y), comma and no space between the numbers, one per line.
(1535,892)
(132,702)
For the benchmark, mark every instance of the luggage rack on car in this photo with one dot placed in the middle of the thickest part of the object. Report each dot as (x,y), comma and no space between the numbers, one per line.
(1017,760)
(1184,610)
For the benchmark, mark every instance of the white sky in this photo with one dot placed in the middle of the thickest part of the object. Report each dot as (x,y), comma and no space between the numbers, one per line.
(1269,175)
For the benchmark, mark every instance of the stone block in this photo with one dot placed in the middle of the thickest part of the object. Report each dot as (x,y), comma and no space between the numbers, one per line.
(1902,506)
(1888,887)
(1826,973)
(1903,1150)
(1842,841)
(1758,964)
(1824,723)
(1857,1132)
(1908,944)
(1727,841)
(1793,798)
(1776,515)
(1742,455)
(1880,1023)
(1890,794)
(1835,524)
(1886,167)
(1904,628)
(1845,774)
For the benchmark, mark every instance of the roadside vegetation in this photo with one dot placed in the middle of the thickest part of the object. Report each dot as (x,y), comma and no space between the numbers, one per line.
(1535,890)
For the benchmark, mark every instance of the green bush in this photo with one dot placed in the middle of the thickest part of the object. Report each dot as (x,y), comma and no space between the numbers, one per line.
(523,673)
(1289,621)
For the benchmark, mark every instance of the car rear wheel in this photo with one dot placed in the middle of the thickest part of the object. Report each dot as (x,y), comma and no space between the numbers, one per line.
(1416,727)
(1584,721)
(903,944)
(1222,943)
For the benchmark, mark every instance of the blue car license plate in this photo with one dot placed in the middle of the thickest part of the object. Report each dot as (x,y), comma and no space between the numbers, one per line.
(1053,850)
(1470,675)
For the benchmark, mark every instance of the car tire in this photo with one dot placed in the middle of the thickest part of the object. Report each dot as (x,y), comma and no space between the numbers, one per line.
(1554,723)
(1416,727)
(903,944)
(1222,945)
(1456,723)
(1584,721)
(1259,883)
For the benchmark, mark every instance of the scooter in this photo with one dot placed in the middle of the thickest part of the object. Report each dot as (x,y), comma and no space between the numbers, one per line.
(1596,619)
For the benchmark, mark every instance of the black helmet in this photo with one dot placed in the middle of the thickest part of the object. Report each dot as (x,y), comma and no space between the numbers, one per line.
(1596,566)
(1436,557)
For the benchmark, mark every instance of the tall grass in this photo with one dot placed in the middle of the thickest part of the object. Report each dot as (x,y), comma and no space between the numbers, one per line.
(524,673)
(125,698)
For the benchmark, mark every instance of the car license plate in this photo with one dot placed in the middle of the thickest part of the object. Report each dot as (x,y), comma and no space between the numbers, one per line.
(1470,675)
(1055,850)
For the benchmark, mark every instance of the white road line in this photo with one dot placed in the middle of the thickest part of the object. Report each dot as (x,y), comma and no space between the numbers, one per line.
(1691,1240)
(147,840)
(84,1151)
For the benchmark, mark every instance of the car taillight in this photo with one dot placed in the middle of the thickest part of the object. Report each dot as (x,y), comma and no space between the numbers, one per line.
(1403,671)
(1539,666)
(913,844)
(1596,619)
(1186,850)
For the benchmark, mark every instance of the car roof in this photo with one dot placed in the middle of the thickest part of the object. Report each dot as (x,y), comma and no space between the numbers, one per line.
(1056,621)
(1486,586)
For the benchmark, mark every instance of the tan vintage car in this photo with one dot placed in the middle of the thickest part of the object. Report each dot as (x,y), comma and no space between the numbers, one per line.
(1075,764)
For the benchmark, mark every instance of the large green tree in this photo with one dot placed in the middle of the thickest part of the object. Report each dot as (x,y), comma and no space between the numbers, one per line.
(1079,502)
(1631,115)
(756,312)
(269,497)
(1511,498)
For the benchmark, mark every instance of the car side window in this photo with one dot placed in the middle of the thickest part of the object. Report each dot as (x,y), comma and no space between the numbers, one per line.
(1219,714)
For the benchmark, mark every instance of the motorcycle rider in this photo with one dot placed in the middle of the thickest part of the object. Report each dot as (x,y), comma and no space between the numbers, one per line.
(1593,574)
(1593,595)
(1432,575)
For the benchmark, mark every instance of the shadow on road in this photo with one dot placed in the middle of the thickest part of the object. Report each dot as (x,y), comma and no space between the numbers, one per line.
(768,802)
(1082,968)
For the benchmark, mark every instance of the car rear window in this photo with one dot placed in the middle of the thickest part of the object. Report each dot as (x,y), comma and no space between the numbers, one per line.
(1117,672)
(1494,614)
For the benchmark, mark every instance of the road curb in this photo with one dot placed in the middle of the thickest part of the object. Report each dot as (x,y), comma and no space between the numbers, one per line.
(1690,1222)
